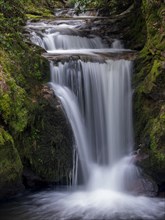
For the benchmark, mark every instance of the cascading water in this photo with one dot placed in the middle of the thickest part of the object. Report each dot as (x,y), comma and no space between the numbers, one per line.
(97,100)
(103,99)
(65,39)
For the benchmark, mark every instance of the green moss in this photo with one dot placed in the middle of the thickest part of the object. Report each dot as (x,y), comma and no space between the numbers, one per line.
(10,166)
(149,83)
(157,130)
(20,74)
(38,13)
(155,24)
(41,9)
(12,103)
(47,142)
(135,31)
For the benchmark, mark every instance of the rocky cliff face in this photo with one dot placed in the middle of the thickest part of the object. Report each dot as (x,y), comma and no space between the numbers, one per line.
(35,139)
(46,143)
(149,98)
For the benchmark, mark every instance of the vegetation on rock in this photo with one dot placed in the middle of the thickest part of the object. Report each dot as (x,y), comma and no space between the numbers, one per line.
(22,107)
(149,93)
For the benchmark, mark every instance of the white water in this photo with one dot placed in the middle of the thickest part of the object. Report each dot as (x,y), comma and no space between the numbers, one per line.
(117,44)
(99,109)
(96,204)
(57,41)
(64,37)
(97,99)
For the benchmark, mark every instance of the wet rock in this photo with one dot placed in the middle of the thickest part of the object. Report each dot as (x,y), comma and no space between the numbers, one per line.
(143,185)
(161,192)
(48,143)
(92,56)
(11,189)
(33,181)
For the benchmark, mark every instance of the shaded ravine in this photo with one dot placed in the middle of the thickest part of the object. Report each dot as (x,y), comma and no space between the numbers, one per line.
(97,99)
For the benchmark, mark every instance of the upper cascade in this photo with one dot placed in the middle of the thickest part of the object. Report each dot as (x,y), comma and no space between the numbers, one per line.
(65,39)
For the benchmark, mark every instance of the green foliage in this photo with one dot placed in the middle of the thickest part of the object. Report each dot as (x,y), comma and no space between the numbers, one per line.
(153,11)
(13,12)
(5,137)
(12,102)
(113,6)
(41,8)
(20,70)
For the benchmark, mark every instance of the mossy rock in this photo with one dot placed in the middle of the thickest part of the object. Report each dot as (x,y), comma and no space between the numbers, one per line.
(10,166)
(149,98)
(47,141)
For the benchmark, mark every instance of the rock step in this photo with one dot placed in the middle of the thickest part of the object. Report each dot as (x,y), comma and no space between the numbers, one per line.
(96,56)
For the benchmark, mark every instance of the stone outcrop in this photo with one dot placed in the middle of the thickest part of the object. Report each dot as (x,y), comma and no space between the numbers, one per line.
(47,149)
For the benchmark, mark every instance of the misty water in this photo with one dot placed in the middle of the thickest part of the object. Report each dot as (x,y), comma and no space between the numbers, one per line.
(97,100)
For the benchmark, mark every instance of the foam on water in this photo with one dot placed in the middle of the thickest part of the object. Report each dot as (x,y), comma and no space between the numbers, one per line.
(91,205)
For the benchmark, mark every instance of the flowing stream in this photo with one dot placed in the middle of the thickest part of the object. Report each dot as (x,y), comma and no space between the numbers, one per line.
(97,99)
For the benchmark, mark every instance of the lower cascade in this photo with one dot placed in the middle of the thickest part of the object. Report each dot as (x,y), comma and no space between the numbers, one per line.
(97,100)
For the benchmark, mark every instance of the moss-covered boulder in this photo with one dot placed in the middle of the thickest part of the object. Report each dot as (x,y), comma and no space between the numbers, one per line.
(47,141)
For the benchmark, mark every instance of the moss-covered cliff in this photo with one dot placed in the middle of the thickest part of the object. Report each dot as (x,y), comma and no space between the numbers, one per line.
(149,99)
(33,132)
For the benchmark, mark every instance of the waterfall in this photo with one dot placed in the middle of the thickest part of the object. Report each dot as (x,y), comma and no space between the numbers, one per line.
(97,99)
(117,44)
(65,39)
(100,100)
